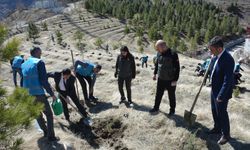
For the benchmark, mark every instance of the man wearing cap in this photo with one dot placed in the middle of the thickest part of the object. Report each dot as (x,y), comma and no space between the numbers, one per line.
(16,63)
(35,80)
(222,88)
(87,71)
(167,67)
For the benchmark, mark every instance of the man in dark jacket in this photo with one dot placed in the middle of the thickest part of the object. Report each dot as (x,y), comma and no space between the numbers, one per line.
(167,68)
(125,71)
(222,88)
(65,86)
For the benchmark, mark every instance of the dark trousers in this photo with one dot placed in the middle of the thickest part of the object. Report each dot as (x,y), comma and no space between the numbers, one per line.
(144,63)
(19,71)
(74,98)
(128,87)
(84,85)
(49,129)
(161,86)
(220,116)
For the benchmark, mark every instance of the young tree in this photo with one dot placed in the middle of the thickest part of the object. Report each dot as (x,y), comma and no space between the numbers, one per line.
(126,30)
(3,33)
(182,47)
(10,49)
(98,42)
(44,26)
(59,37)
(33,31)
(79,37)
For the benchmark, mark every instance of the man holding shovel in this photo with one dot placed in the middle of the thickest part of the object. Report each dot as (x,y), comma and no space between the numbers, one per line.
(167,67)
(222,88)
(65,87)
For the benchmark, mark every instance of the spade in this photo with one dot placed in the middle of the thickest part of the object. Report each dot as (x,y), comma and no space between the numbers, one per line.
(189,117)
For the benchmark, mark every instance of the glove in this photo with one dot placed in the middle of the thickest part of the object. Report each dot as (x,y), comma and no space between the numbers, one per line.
(115,74)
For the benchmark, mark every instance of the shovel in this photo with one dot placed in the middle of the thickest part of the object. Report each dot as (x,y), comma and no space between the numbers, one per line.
(86,120)
(189,117)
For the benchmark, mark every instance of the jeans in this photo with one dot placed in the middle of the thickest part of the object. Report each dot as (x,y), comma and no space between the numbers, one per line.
(49,129)
(91,83)
(19,71)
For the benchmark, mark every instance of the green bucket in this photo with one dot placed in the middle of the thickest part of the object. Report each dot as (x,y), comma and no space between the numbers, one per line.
(57,107)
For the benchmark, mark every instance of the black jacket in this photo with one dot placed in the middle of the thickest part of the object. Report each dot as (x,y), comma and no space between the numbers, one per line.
(125,66)
(167,60)
(70,87)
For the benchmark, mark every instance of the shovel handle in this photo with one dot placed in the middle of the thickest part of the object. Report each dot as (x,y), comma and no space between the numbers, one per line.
(73,62)
(203,81)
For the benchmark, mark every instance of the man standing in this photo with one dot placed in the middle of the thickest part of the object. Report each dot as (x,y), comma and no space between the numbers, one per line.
(167,67)
(65,86)
(144,60)
(16,63)
(222,88)
(35,80)
(87,71)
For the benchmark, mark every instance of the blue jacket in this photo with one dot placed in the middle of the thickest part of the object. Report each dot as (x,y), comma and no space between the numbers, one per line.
(17,62)
(222,77)
(237,68)
(84,68)
(35,77)
(144,59)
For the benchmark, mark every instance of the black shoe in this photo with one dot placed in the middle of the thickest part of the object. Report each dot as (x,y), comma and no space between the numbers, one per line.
(53,139)
(123,99)
(154,110)
(214,131)
(223,140)
(93,98)
(171,113)
(131,104)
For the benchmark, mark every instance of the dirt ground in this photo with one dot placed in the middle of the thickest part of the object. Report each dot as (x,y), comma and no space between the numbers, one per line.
(116,126)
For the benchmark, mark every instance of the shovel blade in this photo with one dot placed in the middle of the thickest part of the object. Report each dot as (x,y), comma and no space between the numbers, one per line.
(189,118)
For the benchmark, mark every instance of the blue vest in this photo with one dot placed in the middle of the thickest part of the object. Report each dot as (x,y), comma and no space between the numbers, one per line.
(145,58)
(17,62)
(85,71)
(31,78)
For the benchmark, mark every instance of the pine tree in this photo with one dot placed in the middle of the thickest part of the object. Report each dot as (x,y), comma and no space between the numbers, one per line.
(59,37)
(33,31)
(193,44)
(98,42)
(126,30)
(182,47)
(79,37)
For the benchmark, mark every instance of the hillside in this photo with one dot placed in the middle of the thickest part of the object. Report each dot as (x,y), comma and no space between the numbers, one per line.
(117,126)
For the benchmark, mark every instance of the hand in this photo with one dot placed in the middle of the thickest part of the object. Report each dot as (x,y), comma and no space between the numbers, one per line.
(115,74)
(54,98)
(154,77)
(173,83)
(219,101)
(133,77)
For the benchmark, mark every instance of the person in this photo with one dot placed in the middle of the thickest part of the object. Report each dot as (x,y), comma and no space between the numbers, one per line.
(35,80)
(125,70)
(16,63)
(237,74)
(144,60)
(222,88)
(167,68)
(87,71)
(65,87)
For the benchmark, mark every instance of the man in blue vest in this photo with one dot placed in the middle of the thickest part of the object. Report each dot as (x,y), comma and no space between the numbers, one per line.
(35,80)
(237,74)
(87,71)
(16,63)
(144,60)
(222,88)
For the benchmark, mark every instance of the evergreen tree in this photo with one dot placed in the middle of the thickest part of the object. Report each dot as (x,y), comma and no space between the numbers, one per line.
(59,37)
(33,31)
(98,42)
(182,47)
